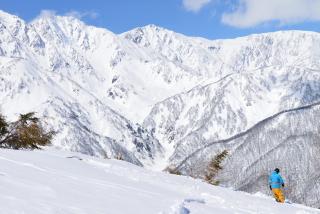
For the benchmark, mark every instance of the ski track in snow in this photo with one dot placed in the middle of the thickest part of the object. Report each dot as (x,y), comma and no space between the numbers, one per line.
(182,208)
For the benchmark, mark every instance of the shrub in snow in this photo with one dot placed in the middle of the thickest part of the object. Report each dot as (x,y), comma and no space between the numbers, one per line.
(173,170)
(119,157)
(25,133)
(3,125)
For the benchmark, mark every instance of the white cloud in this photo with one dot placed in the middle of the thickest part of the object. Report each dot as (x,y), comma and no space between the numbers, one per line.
(195,5)
(47,13)
(44,14)
(80,15)
(73,13)
(249,13)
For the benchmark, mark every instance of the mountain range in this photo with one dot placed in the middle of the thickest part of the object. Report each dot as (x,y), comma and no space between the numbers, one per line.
(160,99)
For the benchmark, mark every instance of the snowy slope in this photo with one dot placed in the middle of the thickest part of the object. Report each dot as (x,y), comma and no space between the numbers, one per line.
(288,140)
(266,74)
(56,182)
(96,87)
(93,86)
(153,97)
(270,73)
(45,69)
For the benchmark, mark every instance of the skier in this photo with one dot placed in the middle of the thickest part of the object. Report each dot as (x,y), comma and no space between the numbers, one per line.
(275,183)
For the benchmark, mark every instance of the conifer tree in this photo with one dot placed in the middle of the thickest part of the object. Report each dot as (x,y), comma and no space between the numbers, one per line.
(27,133)
(3,126)
(214,167)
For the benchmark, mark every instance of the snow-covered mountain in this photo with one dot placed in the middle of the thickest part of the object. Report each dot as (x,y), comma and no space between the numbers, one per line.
(53,182)
(272,73)
(267,73)
(288,140)
(157,98)
(94,87)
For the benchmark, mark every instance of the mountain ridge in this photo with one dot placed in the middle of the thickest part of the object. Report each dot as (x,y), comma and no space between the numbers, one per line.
(301,108)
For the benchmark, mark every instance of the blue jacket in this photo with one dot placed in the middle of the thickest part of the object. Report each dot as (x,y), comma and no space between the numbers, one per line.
(275,180)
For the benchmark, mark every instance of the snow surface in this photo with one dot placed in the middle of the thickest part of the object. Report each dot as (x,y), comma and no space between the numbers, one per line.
(54,182)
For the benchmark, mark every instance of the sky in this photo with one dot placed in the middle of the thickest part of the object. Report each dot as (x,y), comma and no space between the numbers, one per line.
(212,19)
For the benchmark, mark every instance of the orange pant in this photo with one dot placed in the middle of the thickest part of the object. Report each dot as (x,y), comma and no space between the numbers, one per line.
(278,195)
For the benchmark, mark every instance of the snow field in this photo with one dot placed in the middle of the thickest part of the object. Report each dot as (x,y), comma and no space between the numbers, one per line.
(55,182)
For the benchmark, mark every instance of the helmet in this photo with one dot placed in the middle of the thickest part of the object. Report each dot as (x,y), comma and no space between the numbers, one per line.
(277,170)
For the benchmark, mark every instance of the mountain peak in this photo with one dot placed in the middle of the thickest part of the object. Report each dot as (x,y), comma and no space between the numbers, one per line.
(49,17)
(9,19)
(149,35)
(4,14)
(150,27)
(153,27)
